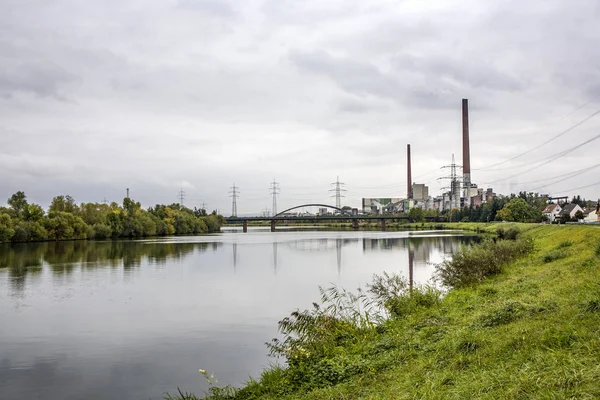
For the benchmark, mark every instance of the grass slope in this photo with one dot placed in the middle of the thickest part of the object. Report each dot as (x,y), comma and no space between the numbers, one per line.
(531,332)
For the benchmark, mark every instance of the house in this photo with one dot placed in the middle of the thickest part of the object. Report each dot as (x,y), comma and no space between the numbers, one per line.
(551,211)
(571,210)
(593,216)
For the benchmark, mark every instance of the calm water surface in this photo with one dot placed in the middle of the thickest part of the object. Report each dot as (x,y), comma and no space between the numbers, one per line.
(135,319)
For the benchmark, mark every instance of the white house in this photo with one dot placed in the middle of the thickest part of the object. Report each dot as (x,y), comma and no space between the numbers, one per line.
(551,211)
(571,210)
(593,216)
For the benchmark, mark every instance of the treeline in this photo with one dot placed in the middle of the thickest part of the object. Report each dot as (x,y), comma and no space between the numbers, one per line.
(66,220)
(522,207)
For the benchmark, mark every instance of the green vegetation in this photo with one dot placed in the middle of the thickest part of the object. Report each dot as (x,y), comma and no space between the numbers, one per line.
(525,328)
(65,220)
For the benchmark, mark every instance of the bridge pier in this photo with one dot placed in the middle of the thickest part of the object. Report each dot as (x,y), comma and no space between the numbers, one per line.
(382,224)
(245,226)
(272,225)
(355,224)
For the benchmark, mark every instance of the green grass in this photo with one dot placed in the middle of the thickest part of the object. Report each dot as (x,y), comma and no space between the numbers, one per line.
(531,331)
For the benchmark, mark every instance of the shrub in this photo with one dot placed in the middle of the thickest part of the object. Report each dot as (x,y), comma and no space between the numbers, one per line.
(565,244)
(555,254)
(509,234)
(475,262)
(598,249)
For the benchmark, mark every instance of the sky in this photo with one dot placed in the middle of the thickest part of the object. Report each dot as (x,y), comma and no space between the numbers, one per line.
(163,96)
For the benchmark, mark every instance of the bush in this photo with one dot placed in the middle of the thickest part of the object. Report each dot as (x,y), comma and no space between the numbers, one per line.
(509,234)
(555,254)
(475,262)
(102,231)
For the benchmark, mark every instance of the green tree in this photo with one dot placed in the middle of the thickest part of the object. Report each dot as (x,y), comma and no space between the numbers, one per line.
(6,228)
(578,216)
(516,209)
(34,213)
(18,202)
(416,214)
(63,204)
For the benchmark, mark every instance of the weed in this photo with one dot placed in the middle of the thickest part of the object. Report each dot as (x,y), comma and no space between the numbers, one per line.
(555,254)
(507,313)
(592,306)
(565,244)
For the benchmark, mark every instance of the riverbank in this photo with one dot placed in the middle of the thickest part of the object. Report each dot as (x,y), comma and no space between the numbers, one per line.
(529,332)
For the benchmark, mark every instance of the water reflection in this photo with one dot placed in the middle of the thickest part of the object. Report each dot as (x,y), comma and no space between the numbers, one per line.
(24,261)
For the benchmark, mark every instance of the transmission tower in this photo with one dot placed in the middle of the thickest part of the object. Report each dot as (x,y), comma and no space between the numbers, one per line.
(338,189)
(181,196)
(234,194)
(454,184)
(266,212)
(274,191)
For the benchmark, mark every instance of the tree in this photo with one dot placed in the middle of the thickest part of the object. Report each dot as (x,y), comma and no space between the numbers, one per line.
(6,228)
(34,213)
(416,214)
(578,216)
(18,202)
(63,204)
(518,210)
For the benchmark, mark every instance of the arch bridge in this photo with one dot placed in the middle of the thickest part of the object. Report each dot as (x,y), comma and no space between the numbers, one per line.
(343,215)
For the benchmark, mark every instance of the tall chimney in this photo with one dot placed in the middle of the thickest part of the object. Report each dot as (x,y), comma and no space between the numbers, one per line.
(409,194)
(465,150)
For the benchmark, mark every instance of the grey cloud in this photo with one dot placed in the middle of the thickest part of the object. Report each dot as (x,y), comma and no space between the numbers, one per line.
(359,78)
(468,72)
(214,7)
(40,78)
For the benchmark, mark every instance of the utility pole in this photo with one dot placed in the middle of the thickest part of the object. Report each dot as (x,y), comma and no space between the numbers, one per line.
(234,194)
(181,197)
(274,191)
(454,184)
(338,189)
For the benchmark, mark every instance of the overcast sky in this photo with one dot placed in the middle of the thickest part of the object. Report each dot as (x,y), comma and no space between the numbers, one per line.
(163,95)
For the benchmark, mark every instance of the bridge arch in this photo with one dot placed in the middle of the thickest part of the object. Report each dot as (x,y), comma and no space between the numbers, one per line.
(313,205)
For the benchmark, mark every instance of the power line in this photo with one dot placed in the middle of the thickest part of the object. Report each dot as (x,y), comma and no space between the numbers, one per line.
(540,145)
(274,191)
(234,194)
(550,159)
(181,196)
(338,189)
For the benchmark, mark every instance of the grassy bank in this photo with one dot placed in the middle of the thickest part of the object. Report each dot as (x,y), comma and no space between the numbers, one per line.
(530,329)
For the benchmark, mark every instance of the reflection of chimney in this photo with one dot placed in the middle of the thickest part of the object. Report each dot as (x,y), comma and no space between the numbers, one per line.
(409,175)
(465,150)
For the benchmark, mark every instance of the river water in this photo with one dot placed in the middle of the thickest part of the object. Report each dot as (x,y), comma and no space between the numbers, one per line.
(136,319)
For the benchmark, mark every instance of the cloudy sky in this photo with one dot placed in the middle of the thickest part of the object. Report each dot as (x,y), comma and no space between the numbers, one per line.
(164,95)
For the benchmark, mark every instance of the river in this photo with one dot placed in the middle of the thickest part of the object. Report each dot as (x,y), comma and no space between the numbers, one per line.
(136,319)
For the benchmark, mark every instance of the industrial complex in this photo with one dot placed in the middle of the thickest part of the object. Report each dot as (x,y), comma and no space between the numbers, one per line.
(461,191)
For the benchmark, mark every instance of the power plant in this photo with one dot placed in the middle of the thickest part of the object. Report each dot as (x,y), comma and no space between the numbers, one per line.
(459,193)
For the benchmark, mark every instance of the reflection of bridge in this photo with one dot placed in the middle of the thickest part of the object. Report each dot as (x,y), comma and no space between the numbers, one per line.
(342,216)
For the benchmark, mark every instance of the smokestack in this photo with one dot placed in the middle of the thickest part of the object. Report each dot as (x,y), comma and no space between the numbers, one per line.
(409,194)
(127,192)
(465,150)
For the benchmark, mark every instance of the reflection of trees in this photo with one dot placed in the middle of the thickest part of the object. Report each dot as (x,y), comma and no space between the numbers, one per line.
(23,260)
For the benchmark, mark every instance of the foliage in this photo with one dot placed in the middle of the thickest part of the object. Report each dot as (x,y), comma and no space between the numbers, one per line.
(416,214)
(24,222)
(517,209)
(473,263)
